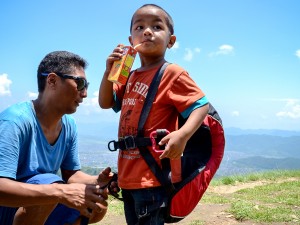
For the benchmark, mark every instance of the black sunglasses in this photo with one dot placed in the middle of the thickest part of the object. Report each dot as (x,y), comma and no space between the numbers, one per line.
(80,81)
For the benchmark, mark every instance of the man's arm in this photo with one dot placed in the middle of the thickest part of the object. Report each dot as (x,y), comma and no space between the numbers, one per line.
(78,196)
(78,176)
(15,194)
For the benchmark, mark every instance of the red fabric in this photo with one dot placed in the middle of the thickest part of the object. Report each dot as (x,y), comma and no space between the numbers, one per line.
(176,92)
(188,197)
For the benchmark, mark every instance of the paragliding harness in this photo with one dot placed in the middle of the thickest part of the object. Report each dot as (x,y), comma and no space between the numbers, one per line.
(200,160)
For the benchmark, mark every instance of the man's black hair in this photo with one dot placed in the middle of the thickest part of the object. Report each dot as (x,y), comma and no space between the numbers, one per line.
(58,62)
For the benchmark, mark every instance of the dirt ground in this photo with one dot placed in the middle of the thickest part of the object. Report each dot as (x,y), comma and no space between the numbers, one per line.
(207,214)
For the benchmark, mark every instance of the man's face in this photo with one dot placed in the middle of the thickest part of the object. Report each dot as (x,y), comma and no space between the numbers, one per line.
(68,95)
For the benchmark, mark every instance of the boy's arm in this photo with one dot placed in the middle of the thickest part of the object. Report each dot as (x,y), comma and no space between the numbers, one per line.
(106,97)
(177,140)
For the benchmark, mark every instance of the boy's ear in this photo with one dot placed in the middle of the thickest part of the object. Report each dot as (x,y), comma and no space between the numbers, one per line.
(172,41)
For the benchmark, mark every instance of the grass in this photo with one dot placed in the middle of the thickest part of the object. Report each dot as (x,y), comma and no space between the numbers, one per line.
(278,200)
(268,203)
(115,206)
(267,176)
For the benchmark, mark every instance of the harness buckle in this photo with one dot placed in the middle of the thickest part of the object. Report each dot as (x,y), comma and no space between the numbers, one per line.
(158,134)
(129,142)
(115,148)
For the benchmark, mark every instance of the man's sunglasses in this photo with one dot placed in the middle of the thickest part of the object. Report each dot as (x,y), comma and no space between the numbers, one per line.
(80,81)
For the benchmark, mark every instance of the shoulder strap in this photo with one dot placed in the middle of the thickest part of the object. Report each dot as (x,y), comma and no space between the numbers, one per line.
(160,174)
(150,97)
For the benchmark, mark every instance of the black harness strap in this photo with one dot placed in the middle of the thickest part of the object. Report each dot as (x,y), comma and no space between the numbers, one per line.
(161,174)
(141,142)
(129,142)
(150,97)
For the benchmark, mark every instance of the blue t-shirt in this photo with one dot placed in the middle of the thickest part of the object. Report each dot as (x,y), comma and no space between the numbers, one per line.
(25,151)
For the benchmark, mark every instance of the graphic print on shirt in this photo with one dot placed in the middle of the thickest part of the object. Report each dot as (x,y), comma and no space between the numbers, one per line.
(132,104)
(126,130)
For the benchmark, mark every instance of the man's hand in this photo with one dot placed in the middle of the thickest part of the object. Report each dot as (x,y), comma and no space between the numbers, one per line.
(83,197)
(104,176)
(104,180)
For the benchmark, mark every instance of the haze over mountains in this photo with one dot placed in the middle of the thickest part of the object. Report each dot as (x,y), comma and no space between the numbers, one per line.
(257,150)
(245,151)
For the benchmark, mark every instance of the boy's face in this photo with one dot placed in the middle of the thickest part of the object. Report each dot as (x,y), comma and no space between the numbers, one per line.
(149,28)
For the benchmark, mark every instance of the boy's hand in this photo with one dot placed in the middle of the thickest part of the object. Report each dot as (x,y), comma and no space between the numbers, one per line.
(114,56)
(174,145)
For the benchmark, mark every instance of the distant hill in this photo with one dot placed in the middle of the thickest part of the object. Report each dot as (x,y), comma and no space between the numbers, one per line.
(264,145)
(256,164)
(255,150)
(281,133)
(245,151)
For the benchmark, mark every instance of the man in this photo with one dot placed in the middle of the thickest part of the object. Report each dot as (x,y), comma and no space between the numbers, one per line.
(37,138)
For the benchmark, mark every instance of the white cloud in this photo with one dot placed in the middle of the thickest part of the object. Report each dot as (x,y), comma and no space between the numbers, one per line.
(291,109)
(175,46)
(91,101)
(4,85)
(90,110)
(223,50)
(32,95)
(235,113)
(90,105)
(189,53)
(298,53)
(198,50)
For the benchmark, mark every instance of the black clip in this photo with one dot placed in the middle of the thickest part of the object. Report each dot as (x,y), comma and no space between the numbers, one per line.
(113,193)
(129,142)
(115,146)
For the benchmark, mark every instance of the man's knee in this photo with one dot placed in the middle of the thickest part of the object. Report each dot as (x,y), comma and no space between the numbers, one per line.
(97,216)
(33,215)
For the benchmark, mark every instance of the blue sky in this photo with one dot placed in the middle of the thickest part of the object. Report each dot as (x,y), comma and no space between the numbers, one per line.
(244,54)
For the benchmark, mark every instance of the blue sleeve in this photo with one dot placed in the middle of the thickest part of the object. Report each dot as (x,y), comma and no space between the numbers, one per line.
(71,159)
(201,102)
(9,148)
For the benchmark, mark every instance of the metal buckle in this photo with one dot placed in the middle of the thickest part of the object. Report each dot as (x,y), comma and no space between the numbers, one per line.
(114,146)
(129,142)
(154,135)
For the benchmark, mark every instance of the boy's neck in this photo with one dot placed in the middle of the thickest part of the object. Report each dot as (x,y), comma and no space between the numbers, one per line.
(150,64)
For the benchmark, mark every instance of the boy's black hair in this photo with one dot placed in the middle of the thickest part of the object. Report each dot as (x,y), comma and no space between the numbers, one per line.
(169,19)
(58,62)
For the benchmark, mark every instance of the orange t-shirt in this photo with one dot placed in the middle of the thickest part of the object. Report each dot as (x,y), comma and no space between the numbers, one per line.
(176,92)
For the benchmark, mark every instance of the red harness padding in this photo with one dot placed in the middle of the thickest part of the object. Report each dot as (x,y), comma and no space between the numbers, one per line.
(191,190)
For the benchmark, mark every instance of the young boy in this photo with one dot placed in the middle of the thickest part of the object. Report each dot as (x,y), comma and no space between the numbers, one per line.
(144,197)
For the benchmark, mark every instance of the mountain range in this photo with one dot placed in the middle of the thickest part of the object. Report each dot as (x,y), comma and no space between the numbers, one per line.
(245,150)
